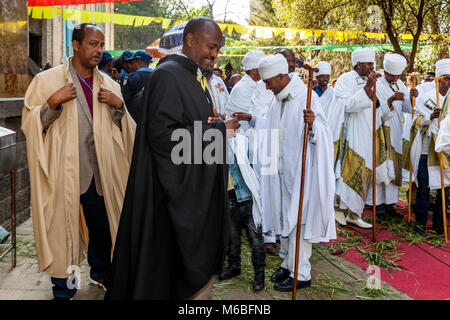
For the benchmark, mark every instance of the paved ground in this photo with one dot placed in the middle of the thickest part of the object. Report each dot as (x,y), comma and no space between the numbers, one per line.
(332,278)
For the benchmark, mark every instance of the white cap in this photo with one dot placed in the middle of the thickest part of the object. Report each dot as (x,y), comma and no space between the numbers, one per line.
(273,65)
(252,59)
(363,55)
(324,68)
(442,67)
(394,63)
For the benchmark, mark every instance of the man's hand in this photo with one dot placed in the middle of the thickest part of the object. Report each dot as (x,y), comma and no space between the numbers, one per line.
(108,97)
(309,117)
(371,79)
(436,113)
(413,93)
(396,96)
(242,116)
(63,95)
(232,126)
(214,119)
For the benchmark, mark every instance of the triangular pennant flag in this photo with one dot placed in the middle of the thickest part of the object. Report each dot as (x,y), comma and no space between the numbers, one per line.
(67,14)
(86,16)
(37,13)
(138,21)
(178,21)
(222,26)
(97,17)
(157,19)
(289,34)
(48,12)
(166,23)
(240,28)
(259,32)
(29,10)
(128,20)
(106,17)
(147,21)
(230,29)
(118,19)
(267,33)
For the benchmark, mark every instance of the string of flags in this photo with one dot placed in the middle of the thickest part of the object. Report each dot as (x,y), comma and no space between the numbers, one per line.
(260,32)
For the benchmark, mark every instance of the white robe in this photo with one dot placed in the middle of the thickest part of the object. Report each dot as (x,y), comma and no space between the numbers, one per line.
(239,147)
(443,137)
(283,171)
(325,100)
(388,193)
(434,173)
(219,93)
(350,120)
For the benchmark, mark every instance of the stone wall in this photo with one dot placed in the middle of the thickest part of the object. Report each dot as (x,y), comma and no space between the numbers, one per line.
(10,117)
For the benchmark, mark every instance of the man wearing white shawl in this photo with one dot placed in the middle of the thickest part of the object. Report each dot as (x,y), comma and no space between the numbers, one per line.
(350,120)
(424,158)
(323,90)
(241,94)
(392,92)
(281,173)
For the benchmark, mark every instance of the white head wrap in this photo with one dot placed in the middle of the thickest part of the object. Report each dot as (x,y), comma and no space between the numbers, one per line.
(363,55)
(324,68)
(273,65)
(252,59)
(394,63)
(442,67)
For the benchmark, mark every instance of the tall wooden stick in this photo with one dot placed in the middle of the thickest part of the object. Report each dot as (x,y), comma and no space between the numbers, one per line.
(302,179)
(441,165)
(374,164)
(414,79)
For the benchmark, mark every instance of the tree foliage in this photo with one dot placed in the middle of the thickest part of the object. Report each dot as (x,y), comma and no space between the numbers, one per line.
(396,17)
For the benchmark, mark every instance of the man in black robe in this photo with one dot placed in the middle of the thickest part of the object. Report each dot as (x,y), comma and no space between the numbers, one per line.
(174,227)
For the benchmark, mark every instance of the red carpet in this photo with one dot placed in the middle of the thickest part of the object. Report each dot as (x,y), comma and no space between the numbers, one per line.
(424,276)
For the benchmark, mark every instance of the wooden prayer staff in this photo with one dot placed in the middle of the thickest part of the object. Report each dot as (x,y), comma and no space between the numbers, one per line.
(441,165)
(414,80)
(374,160)
(302,178)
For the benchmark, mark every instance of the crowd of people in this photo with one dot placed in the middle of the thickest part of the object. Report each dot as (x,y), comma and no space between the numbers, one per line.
(103,136)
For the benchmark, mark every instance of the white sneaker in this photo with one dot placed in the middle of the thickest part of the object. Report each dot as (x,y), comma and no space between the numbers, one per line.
(340,217)
(359,222)
(97,283)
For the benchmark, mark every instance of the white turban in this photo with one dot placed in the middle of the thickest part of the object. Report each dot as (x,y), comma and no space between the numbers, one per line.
(394,63)
(363,55)
(442,67)
(273,65)
(324,68)
(252,59)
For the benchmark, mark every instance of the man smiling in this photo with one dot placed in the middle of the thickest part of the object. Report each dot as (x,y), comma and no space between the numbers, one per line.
(175,224)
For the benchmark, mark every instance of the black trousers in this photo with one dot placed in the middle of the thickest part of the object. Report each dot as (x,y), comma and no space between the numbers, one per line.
(99,248)
(423,198)
(242,218)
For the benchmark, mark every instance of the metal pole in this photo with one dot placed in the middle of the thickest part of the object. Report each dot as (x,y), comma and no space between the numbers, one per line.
(13,216)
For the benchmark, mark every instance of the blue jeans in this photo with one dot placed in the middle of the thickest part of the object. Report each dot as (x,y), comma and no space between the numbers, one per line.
(423,198)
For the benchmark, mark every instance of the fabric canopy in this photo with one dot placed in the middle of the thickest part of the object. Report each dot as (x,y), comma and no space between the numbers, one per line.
(46,3)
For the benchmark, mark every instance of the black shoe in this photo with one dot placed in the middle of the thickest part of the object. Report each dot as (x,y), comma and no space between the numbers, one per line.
(258,283)
(439,230)
(393,214)
(229,273)
(380,218)
(288,284)
(420,229)
(280,275)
